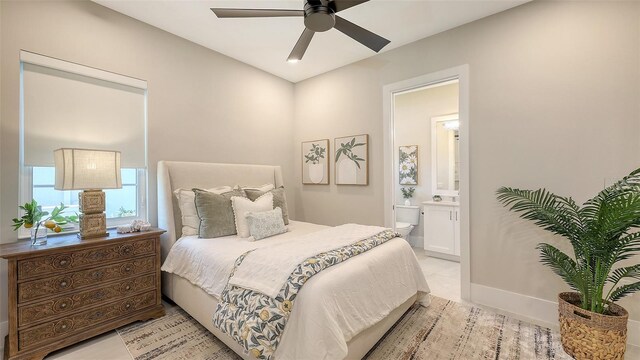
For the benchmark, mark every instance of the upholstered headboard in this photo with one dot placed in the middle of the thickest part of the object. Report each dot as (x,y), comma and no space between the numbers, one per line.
(174,175)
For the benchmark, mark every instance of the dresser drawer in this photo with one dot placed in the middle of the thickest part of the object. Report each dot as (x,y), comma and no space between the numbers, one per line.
(72,324)
(64,305)
(71,261)
(58,285)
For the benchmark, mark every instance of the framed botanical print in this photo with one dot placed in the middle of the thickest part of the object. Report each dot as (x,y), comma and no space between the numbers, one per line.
(408,165)
(315,162)
(352,160)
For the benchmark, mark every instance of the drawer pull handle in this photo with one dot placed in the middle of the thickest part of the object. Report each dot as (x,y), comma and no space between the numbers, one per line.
(127,250)
(63,305)
(64,326)
(128,287)
(127,306)
(63,283)
(61,262)
(127,268)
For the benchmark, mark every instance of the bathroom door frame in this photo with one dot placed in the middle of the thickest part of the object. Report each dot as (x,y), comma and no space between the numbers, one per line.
(461,73)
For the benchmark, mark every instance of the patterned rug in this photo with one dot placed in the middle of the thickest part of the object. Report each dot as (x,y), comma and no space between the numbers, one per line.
(444,330)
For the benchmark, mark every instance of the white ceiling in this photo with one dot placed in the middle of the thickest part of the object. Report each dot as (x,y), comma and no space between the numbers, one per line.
(266,42)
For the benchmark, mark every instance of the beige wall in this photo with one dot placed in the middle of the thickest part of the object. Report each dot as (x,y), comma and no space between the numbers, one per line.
(202,106)
(412,118)
(554,102)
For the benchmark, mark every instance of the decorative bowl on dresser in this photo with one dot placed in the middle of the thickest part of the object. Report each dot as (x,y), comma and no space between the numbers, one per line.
(70,289)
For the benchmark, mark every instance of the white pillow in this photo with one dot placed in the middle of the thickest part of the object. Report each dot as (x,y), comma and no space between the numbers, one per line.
(263,188)
(242,206)
(186,203)
(265,224)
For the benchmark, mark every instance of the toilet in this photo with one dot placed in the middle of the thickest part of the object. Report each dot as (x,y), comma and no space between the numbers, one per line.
(407,217)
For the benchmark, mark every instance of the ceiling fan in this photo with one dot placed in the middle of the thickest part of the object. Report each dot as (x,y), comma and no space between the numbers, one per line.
(319,16)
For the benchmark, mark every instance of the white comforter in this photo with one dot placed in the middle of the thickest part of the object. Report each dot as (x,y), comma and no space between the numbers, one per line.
(267,269)
(332,307)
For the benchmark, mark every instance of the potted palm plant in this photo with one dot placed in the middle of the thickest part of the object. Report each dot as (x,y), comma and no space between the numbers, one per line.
(602,233)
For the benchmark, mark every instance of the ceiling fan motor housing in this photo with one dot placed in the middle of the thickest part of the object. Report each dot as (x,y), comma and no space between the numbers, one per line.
(318,16)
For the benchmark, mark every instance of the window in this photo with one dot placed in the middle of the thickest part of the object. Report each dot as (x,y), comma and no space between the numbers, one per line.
(123,205)
(97,110)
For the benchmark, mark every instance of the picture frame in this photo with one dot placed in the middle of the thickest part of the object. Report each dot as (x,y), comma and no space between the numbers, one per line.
(315,162)
(351,160)
(408,165)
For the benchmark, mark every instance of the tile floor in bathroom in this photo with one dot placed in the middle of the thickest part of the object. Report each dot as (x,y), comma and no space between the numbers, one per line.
(443,276)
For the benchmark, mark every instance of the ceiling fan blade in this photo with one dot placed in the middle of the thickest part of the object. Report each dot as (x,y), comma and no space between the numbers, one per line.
(340,5)
(361,35)
(251,13)
(301,46)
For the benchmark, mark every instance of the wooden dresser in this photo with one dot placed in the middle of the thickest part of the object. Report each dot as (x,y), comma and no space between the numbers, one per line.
(71,289)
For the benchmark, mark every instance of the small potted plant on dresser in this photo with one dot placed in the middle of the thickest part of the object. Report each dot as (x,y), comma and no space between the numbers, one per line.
(602,234)
(38,221)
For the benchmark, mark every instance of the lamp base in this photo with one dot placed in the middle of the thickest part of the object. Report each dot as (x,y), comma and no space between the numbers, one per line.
(93,226)
(92,201)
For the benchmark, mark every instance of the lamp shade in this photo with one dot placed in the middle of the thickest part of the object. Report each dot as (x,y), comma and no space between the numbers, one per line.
(82,169)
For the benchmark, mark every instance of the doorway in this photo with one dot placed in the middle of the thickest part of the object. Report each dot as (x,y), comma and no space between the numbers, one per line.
(426,156)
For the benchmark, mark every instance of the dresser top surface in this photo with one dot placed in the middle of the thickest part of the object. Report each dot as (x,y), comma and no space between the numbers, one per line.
(23,248)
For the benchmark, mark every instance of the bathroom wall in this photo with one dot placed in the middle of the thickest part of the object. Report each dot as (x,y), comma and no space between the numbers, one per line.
(412,119)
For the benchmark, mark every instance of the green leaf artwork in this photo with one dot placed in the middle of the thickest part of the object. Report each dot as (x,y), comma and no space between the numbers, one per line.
(316,153)
(346,149)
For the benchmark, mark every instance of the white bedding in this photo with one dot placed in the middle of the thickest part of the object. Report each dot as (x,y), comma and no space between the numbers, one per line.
(267,269)
(332,307)
(207,263)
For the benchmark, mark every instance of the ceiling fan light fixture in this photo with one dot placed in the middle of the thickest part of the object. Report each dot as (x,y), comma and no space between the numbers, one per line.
(319,16)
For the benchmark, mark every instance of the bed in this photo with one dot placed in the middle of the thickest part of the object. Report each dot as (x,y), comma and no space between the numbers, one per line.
(340,313)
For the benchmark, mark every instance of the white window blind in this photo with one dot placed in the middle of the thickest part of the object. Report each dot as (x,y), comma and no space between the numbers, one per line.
(71,105)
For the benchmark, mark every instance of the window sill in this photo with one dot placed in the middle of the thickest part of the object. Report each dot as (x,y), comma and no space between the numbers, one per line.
(121,221)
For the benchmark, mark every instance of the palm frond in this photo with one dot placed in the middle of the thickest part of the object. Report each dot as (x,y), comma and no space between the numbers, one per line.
(632,271)
(624,290)
(628,184)
(549,211)
(562,265)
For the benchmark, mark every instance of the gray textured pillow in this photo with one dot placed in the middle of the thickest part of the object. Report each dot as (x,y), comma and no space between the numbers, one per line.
(265,224)
(279,200)
(215,213)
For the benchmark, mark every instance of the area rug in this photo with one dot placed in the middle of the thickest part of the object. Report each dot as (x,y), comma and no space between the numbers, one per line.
(444,330)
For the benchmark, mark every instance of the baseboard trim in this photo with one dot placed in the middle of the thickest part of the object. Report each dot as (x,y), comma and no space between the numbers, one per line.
(438,255)
(543,312)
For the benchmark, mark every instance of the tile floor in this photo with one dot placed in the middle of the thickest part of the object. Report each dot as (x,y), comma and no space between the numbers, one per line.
(443,277)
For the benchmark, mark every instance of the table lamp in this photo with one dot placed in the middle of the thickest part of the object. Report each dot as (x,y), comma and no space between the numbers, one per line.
(90,171)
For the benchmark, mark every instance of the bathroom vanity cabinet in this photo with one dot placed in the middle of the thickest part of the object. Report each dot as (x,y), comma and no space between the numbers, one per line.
(442,229)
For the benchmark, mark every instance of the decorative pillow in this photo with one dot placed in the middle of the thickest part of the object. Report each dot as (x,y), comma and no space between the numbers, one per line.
(263,188)
(215,213)
(187,205)
(265,224)
(279,200)
(241,206)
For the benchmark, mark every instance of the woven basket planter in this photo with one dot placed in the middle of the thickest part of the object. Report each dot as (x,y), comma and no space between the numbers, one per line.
(588,335)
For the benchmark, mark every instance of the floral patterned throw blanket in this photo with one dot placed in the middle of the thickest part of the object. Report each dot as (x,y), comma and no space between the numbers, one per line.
(256,321)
